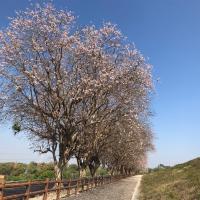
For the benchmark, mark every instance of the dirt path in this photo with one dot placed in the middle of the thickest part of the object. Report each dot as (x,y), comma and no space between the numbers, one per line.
(125,189)
(136,189)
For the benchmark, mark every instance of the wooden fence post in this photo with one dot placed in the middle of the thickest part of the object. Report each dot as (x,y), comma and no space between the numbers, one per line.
(77,185)
(46,189)
(2,185)
(93,182)
(82,184)
(58,190)
(97,180)
(87,184)
(28,188)
(69,187)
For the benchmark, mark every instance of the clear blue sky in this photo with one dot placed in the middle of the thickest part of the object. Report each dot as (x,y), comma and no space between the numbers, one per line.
(168,33)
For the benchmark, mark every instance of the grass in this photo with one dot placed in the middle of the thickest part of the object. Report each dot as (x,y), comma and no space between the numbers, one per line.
(181,182)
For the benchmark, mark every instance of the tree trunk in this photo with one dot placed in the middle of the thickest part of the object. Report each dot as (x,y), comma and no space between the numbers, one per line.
(112,171)
(121,170)
(58,172)
(93,165)
(61,160)
(81,167)
(82,173)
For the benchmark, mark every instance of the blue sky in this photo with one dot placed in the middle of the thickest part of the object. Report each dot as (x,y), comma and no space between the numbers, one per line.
(168,33)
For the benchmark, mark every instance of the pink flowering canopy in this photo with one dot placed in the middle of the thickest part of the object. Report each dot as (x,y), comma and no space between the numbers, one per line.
(76,91)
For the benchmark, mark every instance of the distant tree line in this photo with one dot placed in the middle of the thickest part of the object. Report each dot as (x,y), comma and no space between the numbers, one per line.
(40,171)
(76,92)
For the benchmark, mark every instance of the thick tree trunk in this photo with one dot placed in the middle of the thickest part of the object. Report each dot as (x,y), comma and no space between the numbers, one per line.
(93,165)
(59,164)
(60,160)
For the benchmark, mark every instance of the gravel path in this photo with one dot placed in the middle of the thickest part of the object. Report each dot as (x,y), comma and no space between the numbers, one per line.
(120,190)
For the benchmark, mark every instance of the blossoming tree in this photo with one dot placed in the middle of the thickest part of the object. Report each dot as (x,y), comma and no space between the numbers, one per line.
(70,88)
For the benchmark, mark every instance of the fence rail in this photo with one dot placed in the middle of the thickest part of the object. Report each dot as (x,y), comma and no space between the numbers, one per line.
(26,190)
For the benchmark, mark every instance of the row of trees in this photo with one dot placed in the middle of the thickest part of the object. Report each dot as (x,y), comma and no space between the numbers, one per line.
(76,92)
(21,171)
(40,171)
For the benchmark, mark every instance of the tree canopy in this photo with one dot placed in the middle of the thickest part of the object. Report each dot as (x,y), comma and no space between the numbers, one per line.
(76,92)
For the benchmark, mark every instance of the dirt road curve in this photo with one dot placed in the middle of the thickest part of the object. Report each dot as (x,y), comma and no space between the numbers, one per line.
(125,189)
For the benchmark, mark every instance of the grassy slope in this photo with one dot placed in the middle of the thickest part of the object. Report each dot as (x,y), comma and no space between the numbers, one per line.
(181,182)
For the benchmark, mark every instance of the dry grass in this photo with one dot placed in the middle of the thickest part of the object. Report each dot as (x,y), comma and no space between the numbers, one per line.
(181,182)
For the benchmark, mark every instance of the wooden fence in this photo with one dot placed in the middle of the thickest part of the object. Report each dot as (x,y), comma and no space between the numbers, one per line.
(26,190)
